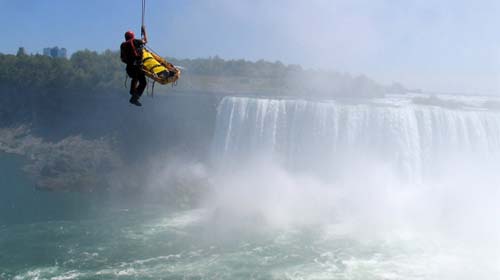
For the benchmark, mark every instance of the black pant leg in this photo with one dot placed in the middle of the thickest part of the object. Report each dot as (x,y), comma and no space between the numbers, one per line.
(133,86)
(137,76)
(142,84)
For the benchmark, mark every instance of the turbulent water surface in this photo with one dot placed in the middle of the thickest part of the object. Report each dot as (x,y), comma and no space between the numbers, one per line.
(380,189)
(147,245)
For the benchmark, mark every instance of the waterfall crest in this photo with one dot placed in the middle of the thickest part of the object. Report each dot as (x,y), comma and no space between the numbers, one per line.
(416,141)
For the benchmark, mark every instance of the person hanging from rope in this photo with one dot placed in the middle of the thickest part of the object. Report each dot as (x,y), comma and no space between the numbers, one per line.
(131,54)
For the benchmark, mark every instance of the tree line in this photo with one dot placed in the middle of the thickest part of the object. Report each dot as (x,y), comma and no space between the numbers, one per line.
(91,73)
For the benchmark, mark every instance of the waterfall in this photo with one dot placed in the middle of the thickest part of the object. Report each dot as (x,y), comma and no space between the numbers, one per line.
(416,141)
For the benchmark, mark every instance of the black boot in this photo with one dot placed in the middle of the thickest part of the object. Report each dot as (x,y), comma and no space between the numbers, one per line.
(135,100)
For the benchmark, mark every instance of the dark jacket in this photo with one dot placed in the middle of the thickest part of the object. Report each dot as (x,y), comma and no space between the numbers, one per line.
(131,52)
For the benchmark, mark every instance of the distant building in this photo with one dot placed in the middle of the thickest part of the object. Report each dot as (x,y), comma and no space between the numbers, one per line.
(21,52)
(55,52)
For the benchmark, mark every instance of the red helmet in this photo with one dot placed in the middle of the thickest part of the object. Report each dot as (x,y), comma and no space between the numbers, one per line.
(129,35)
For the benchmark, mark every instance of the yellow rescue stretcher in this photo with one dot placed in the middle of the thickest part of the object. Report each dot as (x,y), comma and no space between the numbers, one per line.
(158,69)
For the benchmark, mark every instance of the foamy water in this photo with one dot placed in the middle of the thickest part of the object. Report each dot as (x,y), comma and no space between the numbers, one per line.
(196,245)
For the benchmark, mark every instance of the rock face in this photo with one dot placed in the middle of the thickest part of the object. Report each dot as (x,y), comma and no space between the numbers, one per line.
(73,163)
(82,147)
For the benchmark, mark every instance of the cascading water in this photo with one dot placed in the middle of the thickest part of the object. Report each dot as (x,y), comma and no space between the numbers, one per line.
(417,141)
(370,190)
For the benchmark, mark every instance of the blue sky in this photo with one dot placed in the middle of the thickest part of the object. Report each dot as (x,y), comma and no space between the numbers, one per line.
(437,45)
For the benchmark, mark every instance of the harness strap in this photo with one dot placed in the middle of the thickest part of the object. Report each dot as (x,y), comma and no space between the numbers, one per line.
(133,47)
(158,65)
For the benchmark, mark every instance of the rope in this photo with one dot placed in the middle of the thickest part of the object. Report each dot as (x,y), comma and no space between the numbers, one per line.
(150,49)
(143,15)
(148,93)
(143,2)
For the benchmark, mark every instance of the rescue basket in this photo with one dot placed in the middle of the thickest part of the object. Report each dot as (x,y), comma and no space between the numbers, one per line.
(159,69)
